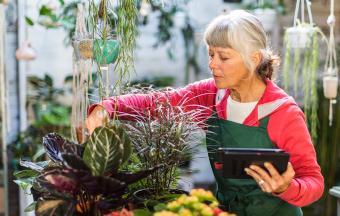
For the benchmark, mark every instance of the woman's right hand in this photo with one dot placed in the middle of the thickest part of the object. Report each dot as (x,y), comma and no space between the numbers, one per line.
(98,117)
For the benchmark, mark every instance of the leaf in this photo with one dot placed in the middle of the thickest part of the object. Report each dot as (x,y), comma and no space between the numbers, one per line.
(46,205)
(25,184)
(75,162)
(29,21)
(102,185)
(45,11)
(38,154)
(30,207)
(37,166)
(62,181)
(130,178)
(62,2)
(142,212)
(159,207)
(43,189)
(107,149)
(55,145)
(26,174)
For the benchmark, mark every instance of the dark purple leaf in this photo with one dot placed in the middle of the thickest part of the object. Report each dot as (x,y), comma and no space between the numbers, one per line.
(55,145)
(130,178)
(75,162)
(63,180)
(95,185)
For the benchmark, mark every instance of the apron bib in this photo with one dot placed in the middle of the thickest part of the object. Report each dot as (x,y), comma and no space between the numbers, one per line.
(243,196)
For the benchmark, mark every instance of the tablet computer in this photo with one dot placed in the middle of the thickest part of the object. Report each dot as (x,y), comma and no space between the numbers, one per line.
(232,161)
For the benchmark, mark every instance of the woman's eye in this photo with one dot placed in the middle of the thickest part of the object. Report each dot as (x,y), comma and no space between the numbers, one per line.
(224,59)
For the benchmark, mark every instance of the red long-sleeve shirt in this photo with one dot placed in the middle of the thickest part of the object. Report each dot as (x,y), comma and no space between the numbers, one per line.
(286,128)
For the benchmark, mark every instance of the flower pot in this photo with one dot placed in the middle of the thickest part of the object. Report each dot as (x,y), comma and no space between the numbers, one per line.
(86,48)
(105,52)
(330,86)
(300,36)
(26,52)
(146,197)
(267,17)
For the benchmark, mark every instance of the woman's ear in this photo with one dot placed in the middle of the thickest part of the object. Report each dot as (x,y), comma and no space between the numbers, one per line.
(257,58)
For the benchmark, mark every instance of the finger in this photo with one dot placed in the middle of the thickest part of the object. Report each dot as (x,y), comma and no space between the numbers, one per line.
(265,186)
(289,174)
(271,183)
(261,172)
(253,174)
(272,171)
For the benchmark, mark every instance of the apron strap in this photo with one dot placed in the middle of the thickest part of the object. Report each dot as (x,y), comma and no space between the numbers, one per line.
(264,122)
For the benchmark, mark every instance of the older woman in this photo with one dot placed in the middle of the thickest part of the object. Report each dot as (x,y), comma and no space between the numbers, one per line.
(248,110)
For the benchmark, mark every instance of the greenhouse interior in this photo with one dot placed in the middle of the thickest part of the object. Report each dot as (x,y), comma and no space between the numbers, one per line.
(169,107)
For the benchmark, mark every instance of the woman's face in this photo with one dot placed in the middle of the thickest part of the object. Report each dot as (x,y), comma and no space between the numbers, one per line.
(227,67)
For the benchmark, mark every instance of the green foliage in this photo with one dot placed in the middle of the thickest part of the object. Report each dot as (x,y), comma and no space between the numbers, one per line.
(304,71)
(48,115)
(107,148)
(65,181)
(164,134)
(327,149)
(280,7)
(126,35)
(64,16)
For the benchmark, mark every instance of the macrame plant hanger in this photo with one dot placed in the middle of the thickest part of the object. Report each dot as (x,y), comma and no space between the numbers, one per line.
(330,79)
(300,4)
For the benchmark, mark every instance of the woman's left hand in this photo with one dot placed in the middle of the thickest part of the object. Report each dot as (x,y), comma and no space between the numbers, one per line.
(270,180)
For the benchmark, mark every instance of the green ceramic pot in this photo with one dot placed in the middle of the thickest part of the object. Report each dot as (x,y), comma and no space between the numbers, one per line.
(105,51)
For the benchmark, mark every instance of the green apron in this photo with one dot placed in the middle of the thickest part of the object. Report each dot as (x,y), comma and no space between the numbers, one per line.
(243,196)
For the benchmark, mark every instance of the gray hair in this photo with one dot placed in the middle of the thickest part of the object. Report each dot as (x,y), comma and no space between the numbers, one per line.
(244,33)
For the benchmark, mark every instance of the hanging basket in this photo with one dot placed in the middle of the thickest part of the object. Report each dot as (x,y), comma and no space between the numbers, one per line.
(301,33)
(267,16)
(300,36)
(330,83)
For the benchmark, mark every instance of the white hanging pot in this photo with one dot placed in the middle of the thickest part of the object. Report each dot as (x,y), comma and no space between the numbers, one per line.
(300,36)
(26,52)
(267,16)
(330,83)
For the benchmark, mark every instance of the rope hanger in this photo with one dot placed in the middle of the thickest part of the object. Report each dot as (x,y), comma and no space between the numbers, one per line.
(331,68)
(303,3)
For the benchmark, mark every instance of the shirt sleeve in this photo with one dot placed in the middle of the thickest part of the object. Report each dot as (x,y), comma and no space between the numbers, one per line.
(293,137)
(199,95)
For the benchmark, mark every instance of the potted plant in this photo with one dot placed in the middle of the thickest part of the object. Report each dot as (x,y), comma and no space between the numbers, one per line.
(301,33)
(301,44)
(199,202)
(162,134)
(81,179)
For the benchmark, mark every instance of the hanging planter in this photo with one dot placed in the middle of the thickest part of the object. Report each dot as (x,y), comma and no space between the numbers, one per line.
(301,63)
(330,79)
(26,52)
(103,52)
(267,16)
(300,36)
(330,83)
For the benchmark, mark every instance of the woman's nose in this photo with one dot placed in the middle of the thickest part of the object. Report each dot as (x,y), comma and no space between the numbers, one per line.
(213,63)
